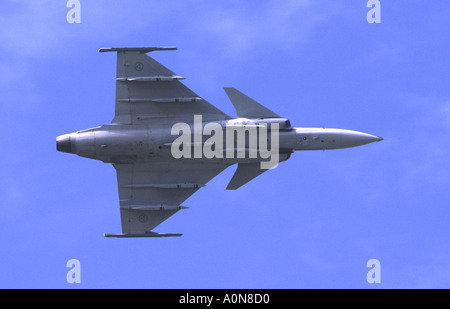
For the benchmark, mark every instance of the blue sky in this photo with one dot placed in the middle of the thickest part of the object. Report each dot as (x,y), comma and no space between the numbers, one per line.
(313,222)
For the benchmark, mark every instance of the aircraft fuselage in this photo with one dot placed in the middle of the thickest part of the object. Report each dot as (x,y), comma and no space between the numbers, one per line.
(139,143)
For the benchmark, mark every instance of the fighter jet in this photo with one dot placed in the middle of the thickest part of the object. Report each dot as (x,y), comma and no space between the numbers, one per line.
(166,142)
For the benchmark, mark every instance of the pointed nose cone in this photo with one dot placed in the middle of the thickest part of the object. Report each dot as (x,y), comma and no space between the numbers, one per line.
(348,138)
(63,143)
(354,138)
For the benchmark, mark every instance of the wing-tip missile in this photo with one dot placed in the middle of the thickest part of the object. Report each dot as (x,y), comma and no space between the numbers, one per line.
(146,234)
(135,49)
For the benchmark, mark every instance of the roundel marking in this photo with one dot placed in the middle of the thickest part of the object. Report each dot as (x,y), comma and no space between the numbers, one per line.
(143,218)
(138,66)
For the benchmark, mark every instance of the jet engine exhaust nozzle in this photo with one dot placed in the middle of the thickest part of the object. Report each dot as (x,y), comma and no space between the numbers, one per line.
(63,143)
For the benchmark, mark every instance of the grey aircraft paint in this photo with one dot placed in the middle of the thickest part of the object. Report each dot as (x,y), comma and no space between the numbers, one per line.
(150,100)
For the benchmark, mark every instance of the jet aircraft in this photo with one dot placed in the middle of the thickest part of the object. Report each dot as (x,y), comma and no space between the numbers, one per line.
(157,168)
